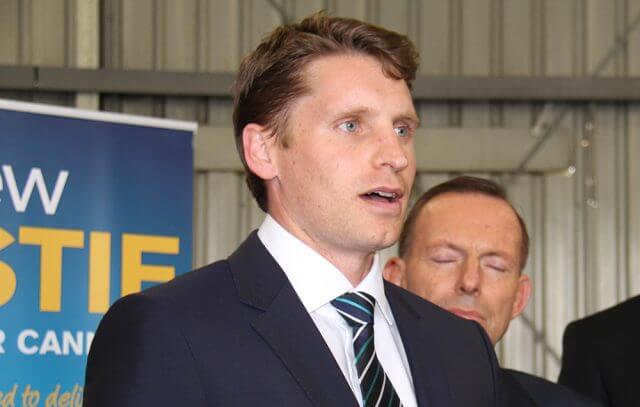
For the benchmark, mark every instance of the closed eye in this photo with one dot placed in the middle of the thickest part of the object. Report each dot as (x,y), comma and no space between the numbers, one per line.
(497,265)
(442,260)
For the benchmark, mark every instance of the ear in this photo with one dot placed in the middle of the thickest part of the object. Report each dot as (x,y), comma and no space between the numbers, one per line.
(258,142)
(522,296)
(395,272)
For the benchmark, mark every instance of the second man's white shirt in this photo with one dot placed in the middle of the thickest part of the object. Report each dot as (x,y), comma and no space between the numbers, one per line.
(317,282)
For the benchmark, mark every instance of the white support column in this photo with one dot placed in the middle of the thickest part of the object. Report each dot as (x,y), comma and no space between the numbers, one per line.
(87,46)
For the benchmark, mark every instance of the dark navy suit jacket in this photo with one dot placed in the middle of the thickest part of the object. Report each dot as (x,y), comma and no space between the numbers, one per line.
(546,393)
(234,333)
(601,355)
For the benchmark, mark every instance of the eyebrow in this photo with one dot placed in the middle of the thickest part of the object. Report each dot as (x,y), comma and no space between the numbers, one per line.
(364,110)
(446,245)
(351,111)
(496,253)
(411,118)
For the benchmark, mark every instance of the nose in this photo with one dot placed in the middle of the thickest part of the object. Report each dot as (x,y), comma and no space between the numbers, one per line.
(392,151)
(470,278)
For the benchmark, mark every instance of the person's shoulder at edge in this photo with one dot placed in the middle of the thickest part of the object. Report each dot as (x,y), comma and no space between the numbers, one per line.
(547,393)
(137,329)
(617,315)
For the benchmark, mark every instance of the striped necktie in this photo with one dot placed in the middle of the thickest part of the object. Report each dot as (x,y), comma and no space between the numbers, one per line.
(357,309)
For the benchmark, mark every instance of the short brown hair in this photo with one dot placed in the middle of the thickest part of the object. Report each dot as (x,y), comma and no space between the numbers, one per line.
(461,185)
(271,77)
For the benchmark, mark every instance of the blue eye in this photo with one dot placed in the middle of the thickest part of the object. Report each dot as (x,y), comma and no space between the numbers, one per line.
(350,126)
(402,131)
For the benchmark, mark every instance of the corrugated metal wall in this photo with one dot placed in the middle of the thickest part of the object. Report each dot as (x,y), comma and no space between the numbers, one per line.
(585,227)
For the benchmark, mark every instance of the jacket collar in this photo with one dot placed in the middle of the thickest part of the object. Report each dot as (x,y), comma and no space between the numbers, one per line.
(430,381)
(286,326)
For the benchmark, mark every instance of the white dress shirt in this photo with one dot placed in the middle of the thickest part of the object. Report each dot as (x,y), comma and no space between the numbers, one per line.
(317,282)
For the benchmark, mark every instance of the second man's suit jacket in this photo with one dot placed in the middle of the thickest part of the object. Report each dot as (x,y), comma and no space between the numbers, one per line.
(546,393)
(235,333)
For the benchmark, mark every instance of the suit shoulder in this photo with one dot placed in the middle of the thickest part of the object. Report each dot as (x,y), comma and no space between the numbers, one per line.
(432,311)
(546,393)
(211,279)
(610,321)
(190,295)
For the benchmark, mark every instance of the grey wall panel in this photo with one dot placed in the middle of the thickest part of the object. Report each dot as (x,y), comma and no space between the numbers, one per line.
(219,111)
(220,35)
(476,114)
(558,284)
(433,114)
(251,216)
(434,37)
(477,45)
(608,198)
(10,32)
(561,37)
(398,16)
(49,25)
(470,37)
(516,39)
(297,10)
(38,32)
(517,115)
(178,35)
(258,18)
(535,312)
(633,50)
(224,214)
(631,178)
(221,221)
(59,99)
(183,108)
(200,234)
(349,8)
(138,38)
(601,30)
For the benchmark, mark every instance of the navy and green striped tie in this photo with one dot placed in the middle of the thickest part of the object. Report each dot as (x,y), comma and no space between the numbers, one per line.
(357,309)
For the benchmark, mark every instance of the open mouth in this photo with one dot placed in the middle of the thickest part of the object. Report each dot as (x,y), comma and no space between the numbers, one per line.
(382,196)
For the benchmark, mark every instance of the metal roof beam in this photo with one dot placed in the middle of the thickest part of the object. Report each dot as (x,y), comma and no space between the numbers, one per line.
(219,85)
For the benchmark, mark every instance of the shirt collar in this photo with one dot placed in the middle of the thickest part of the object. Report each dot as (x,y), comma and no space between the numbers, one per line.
(314,278)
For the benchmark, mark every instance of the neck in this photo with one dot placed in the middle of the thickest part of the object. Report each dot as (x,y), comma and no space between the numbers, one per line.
(353,264)
(354,268)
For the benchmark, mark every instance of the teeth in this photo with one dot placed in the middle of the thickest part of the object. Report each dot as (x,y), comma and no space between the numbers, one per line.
(388,195)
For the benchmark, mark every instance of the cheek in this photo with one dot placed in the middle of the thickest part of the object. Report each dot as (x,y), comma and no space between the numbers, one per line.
(410,172)
(501,303)
(427,286)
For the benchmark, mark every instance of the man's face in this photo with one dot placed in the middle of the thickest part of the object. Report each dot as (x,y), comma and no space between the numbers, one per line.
(344,177)
(465,258)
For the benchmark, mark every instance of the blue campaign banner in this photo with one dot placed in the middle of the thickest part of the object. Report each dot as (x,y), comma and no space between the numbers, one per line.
(93,206)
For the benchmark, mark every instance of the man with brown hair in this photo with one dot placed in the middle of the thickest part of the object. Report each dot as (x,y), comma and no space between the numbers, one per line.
(299,314)
(463,247)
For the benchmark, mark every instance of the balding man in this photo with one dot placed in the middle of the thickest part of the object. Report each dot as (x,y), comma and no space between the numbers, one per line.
(463,247)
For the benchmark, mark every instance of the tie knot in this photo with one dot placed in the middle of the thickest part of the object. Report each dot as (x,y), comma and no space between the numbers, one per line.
(355,307)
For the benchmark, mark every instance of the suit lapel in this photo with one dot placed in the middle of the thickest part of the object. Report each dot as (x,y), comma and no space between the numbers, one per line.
(428,371)
(286,326)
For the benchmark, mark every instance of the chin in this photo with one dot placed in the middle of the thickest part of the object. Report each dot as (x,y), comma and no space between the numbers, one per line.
(387,239)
